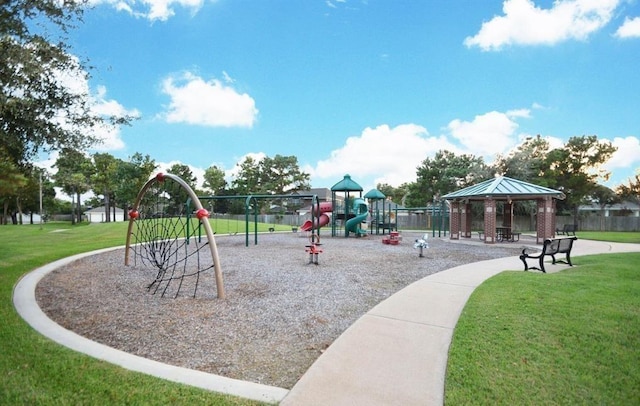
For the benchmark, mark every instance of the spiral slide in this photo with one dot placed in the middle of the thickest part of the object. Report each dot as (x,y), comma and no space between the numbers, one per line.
(323,220)
(353,224)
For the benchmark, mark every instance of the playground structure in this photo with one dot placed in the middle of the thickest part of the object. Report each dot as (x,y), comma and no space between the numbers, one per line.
(360,212)
(164,237)
(167,223)
(251,208)
(324,217)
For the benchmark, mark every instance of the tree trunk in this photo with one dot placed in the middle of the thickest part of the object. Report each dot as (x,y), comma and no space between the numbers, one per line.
(79,209)
(19,207)
(107,206)
(5,212)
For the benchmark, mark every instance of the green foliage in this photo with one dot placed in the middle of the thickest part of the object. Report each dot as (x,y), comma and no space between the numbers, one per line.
(445,173)
(214,181)
(104,178)
(38,110)
(576,168)
(527,162)
(630,191)
(74,176)
(131,175)
(564,338)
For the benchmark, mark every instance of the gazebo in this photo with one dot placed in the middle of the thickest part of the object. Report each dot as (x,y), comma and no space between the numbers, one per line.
(507,190)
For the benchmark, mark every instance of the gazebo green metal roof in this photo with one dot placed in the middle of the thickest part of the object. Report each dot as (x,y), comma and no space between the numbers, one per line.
(375,194)
(346,185)
(503,187)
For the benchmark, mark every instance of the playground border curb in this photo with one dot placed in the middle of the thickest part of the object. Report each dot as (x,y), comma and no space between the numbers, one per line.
(25,303)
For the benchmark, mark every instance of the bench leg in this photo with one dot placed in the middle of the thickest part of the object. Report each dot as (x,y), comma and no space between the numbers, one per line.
(524,261)
(542,264)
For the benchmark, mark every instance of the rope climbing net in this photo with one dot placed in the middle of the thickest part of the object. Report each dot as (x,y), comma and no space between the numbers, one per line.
(167,238)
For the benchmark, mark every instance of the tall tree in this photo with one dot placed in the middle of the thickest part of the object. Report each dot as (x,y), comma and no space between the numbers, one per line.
(445,173)
(527,162)
(248,179)
(12,178)
(38,110)
(630,191)
(179,199)
(29,196)
(104,179)
(74,177)
(281,174)
(214,181)
(603,197)
(576,168)
(397,194)
(131,175)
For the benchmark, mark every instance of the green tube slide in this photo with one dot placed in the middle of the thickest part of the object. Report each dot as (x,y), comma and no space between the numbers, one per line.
(361,207)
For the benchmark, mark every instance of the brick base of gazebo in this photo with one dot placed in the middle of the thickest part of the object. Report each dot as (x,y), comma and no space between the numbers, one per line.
(460,219)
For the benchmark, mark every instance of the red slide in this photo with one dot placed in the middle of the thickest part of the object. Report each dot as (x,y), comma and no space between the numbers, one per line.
(322,221)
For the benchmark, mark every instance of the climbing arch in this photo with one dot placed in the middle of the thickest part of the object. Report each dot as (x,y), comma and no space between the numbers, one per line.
(164,236)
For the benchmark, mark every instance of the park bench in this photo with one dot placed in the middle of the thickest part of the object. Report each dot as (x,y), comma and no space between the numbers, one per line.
(513,237)
(550,247)
(567,229)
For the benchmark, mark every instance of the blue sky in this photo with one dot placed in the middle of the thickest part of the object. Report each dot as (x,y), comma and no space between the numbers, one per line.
(365,87)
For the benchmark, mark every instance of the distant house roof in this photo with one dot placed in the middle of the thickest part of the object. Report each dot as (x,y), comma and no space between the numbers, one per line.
(101,209)
(322,193)
(612,207)
(503,187)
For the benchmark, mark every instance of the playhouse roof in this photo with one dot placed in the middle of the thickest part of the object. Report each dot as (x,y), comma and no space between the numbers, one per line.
(346,185)
(503,187)
(374,194)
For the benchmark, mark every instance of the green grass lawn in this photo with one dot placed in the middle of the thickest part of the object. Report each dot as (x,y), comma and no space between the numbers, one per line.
(38,371)
(615,236)
(566,338)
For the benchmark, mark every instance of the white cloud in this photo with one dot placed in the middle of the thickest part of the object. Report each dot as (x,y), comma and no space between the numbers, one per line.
(151,9)
(384,154)
(75,80)
(488,134)
(523,23)
(629,29)
(208,103)
(109,134)
(627,154)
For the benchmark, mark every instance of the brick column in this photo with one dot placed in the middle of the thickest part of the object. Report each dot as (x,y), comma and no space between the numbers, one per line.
(454,221)
(489,221)
(546,219)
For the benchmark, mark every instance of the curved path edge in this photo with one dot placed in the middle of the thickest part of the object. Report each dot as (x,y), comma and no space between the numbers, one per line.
(397,352)
(24,300)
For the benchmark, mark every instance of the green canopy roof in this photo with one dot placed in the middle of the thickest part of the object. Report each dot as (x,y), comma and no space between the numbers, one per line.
(346,185)
(374,194)
(503,187)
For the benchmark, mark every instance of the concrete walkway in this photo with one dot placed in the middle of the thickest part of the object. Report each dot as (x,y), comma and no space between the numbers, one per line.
(395,354)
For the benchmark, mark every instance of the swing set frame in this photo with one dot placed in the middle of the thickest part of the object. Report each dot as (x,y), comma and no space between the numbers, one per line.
(250,202)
